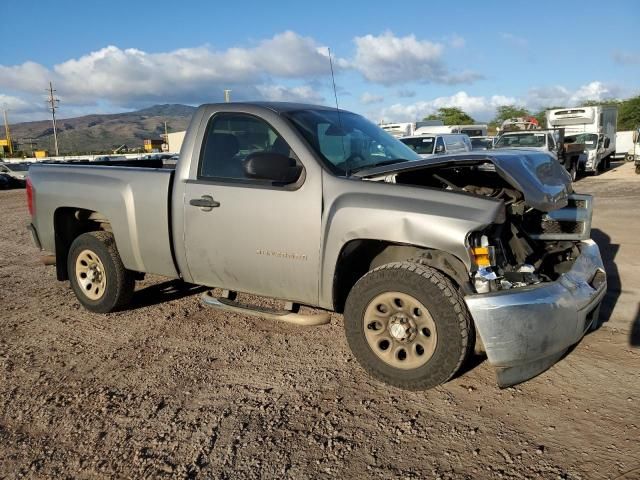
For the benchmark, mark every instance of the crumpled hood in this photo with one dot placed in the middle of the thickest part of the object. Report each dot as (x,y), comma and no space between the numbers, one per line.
(543,181)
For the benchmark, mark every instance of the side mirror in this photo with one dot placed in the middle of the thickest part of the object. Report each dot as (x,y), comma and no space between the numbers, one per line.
(440,149)
(272,166)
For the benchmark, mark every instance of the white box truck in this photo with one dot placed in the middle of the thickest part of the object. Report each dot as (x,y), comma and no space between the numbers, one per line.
(595,127)
(469,130)
(627,144)
(407,129)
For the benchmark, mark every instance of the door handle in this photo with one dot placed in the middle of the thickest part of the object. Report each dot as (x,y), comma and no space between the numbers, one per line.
(205,202)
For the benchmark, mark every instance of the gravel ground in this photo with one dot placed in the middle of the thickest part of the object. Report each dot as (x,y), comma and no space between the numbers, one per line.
(173,389)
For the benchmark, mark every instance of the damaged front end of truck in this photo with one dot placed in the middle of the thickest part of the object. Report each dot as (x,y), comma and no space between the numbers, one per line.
(537,277)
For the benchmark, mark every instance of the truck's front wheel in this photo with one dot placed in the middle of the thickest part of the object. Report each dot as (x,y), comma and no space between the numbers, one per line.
(97,275)
(407,325)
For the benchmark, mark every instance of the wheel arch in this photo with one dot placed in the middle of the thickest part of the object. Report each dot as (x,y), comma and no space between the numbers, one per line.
(357,257)
(68,224)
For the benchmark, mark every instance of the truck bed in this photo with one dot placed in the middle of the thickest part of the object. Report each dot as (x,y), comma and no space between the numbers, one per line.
(133,200)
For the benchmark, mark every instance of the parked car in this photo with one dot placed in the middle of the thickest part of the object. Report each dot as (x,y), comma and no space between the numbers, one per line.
(481,143)
(16,173)
(469,130)
(321,207)
(567,151)
(4,181)
(429,145)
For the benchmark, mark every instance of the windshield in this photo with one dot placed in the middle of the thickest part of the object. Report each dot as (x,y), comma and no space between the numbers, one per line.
(420,145)
(473,132)
(590,140)
(19,167)
(481,143)
(527,140)
(348,142)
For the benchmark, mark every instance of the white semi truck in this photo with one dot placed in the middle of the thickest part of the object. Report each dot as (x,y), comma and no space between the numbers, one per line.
(595,127)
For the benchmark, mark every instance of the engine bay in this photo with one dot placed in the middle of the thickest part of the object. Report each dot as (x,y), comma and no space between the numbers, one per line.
(526,246)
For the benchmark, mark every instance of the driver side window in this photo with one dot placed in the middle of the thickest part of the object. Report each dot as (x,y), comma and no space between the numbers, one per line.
(230,138)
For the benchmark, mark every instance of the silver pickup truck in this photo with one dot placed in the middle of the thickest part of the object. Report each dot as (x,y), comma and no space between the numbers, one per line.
(427,259)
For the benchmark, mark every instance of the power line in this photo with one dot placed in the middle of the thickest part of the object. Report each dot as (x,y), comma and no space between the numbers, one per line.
(53,105)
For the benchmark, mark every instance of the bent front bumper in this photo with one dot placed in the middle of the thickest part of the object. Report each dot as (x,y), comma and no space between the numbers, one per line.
(526,330)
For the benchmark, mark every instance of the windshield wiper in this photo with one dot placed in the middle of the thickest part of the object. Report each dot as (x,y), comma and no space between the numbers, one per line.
(381,163)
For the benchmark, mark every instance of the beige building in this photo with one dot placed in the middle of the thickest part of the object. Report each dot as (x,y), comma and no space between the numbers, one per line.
(175,140)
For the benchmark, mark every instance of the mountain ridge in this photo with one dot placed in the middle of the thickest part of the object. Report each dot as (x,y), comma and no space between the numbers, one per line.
(101,132)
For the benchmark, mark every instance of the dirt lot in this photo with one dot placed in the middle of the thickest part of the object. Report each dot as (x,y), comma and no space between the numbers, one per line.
(171,388)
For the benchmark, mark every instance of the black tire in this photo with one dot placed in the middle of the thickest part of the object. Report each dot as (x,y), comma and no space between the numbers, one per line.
(120,282)
(446,307)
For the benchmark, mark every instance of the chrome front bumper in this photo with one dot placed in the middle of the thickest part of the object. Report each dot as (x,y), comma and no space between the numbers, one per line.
(526,330)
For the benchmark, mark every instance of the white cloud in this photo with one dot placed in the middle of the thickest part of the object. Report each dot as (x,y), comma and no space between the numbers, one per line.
(19,109)
(30,77)
(369,98)
(481,108)
(278,93)
(127,76)
(7,102)
(559,95)
(117,78)
(390,60)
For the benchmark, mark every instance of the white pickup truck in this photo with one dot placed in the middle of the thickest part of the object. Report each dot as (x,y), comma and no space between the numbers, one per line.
(569,154)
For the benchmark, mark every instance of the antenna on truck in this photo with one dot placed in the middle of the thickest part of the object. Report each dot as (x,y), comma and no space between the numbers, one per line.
(335,95)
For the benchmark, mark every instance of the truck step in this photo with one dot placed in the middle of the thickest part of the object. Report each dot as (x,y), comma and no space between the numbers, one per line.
(227,302)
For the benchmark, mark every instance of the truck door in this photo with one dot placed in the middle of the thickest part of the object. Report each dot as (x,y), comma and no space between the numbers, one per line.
(251,235)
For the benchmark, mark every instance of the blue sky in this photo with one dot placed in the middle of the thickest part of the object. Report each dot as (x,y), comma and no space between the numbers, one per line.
(393,60)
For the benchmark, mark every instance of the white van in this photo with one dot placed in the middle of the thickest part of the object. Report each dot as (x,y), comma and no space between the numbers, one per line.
(429,145)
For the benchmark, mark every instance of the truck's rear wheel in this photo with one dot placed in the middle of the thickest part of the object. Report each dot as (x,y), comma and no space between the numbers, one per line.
(407,325)
(97,275)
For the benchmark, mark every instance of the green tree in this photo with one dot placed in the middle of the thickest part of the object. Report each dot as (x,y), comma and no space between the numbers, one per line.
(595,103)
(629,114)
(451,116)
(509,111)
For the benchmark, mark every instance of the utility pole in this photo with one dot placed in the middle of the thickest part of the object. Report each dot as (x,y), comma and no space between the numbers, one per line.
(32,144)
(7,134)
(227,95)
(166,135)
(53,105)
